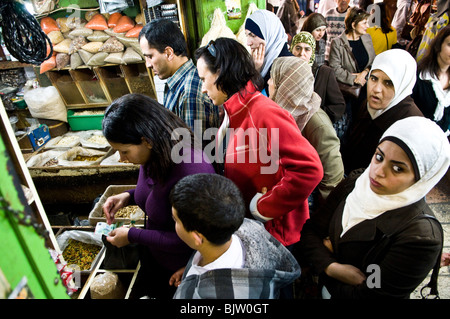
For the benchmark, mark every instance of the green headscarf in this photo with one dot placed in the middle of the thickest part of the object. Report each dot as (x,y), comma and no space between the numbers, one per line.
(305,37)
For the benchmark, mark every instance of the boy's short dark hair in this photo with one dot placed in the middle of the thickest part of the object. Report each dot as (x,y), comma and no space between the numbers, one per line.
(162,33)
(210,204)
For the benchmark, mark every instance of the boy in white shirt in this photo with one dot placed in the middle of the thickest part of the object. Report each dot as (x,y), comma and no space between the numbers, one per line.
(235,257)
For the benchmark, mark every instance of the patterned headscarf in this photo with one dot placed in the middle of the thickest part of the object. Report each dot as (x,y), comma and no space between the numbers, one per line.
(305,37)
(294,88)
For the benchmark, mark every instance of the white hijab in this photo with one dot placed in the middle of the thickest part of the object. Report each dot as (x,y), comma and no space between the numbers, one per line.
(443,96)
(401,68)
(274,34)
(431,150)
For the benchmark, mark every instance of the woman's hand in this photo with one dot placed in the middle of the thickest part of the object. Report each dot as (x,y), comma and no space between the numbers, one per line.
(175,279)
(258,56)
(113,204)
(327,243)
(345,273)
(119,237)
(360,78)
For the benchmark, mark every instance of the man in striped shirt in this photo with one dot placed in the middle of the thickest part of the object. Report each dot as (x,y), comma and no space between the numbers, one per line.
(335,22)
(165,51)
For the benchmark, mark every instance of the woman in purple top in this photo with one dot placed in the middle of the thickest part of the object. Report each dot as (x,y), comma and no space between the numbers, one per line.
(146,133)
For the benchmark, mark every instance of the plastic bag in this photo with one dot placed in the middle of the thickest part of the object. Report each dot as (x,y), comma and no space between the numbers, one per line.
(83,236)
(140,19)
(93,139)
(126,257)
(42,7)
(218,28)
(90,14)
(46,103)
(134,33)
(68,158)
(40,160)
(77,43)
(98,22)
(124,24)
(92,47)
(98,59)
(63,46)
(113,19)
(131,56)
(115,58)
(107,286)
(48,25)
(62,60)
(98,36)
(75,61)
(55,37)
(48,65)
(85,56)
(62,24)
(112,45)
(81,31)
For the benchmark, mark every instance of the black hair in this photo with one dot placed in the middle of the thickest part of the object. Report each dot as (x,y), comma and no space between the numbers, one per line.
(234,64)
(162,33)
(135,116)
(210,204)
(429,63)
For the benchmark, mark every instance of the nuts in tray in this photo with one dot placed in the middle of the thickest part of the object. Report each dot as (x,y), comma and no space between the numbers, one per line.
(53,161)
(98,139)
(87,158)
(80,254)
(125,212)
(67,140)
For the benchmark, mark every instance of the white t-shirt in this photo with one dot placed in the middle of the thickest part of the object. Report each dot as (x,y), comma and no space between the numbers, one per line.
(232,258)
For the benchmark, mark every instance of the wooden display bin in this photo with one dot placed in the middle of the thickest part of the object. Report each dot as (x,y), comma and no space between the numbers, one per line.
(90,86)
(67,88)
(113,81)
(138,79)
(100,86)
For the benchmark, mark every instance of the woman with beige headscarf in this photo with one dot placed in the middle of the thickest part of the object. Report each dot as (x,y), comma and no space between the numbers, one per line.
(291,86)
(303,46)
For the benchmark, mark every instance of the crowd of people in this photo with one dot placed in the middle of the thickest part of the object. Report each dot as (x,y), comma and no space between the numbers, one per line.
(308,152)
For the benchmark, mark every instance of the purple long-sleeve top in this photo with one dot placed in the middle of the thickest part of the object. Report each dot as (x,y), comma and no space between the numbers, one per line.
(153,198)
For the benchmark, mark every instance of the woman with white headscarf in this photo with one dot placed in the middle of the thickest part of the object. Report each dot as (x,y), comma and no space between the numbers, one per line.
(389,87)
(376,237)
(267,40)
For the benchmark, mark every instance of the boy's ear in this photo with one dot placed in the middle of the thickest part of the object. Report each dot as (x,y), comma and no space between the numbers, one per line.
(198,238)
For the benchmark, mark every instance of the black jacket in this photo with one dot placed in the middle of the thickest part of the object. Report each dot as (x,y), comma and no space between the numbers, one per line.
(404,263)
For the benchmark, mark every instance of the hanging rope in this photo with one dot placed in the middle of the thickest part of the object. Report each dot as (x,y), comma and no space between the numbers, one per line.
(22,34)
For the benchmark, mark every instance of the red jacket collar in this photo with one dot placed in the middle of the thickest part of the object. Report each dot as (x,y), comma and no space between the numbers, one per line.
(240,99)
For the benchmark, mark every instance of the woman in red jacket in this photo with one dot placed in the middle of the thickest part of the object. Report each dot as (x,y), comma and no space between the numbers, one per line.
(267,157)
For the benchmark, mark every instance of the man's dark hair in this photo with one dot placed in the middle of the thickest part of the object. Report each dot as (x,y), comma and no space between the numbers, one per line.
(162,33)
(210,204)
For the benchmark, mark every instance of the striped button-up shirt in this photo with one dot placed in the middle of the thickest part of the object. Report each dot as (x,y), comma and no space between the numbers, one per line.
(183,96)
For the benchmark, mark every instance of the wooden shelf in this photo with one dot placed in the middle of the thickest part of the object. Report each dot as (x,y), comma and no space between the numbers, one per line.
(5,65)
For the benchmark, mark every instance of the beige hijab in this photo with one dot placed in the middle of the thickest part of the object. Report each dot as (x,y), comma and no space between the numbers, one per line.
(294,88)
